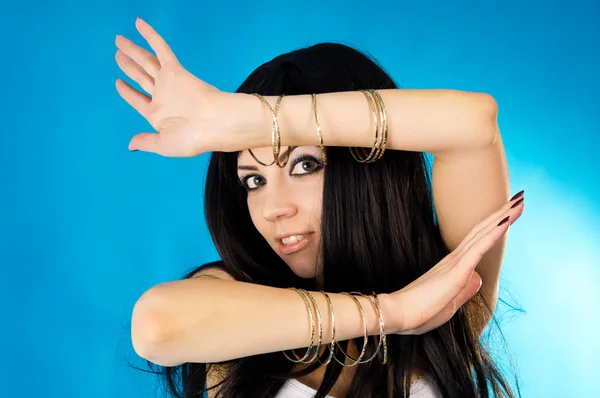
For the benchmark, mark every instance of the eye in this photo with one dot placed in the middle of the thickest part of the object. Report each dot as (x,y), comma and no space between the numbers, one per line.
(305,166)
(252,181)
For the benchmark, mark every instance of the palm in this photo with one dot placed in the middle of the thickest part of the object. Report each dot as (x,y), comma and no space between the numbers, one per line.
(169,99)
(175,99)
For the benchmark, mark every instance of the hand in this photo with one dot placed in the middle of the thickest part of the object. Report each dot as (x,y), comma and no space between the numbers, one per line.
(189,114)
(434,298)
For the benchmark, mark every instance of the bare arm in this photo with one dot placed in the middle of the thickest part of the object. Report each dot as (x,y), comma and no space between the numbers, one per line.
(435,120)
(211,319)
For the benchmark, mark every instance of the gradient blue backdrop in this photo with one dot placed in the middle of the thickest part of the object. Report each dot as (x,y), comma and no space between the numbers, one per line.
(86,226)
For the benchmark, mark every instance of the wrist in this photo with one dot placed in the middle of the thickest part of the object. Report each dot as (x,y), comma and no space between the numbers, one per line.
(253,121)
(236,112)
(389,313)
(295,118)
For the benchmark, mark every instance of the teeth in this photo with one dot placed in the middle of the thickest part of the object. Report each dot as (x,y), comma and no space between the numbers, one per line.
(292,239)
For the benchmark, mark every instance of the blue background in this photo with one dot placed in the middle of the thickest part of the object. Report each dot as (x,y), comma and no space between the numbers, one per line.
(86,226)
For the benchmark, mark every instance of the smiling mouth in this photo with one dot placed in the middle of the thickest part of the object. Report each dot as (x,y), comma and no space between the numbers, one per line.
(294,245)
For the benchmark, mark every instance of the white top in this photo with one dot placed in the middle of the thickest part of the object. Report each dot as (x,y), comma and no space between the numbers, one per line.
(423,387)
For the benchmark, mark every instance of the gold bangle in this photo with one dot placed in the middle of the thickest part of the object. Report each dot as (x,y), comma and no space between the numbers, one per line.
(355,151)
(320,326)
(384,122)
(381,330)
(312,330)
(380,139)
(366,336)
(382,327)
(250,150)
(319,134)
(332,345)
(276,134)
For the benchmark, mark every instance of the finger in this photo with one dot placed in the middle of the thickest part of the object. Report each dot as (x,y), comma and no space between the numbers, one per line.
(135,72)
(161,144)
(449,261)
(465,295)
(498,213)
(469,259)
(477,232)
(458,274)
(513,210)
(448,312)
(146,142)
(158,44)
(140,56)
(426,312)
(133,97)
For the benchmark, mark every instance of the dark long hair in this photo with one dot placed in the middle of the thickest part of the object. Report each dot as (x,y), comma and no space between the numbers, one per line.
(379,233)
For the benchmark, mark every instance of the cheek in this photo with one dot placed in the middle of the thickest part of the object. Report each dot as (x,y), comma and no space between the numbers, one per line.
(254,211)
(310,199)
(257,218)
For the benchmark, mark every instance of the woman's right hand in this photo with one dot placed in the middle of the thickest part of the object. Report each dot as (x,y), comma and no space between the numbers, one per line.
(434,298)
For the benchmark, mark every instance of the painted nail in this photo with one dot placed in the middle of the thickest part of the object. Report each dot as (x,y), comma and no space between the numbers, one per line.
(517,203)
(504,220)
(517,195)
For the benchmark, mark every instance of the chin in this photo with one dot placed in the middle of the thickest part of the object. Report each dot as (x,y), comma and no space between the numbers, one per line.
(306,271)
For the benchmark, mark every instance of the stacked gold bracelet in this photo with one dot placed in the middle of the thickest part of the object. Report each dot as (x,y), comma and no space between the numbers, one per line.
(275,135)
(319,134)
(314,312)
(381,123)
(362,155)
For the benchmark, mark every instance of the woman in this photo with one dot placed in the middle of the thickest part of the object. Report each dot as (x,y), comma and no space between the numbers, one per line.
(324,220)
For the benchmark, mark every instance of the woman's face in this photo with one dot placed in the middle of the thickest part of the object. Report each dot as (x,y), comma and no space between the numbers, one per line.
(285,203)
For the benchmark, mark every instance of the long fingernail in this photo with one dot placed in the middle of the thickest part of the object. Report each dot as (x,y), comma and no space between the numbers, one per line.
(517,203)
(517,195)
(504,220)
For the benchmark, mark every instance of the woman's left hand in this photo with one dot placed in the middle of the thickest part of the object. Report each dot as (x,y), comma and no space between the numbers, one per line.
(433,298)
(191,116)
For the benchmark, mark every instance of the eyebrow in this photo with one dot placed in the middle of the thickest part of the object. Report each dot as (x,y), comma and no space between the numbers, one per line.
(286,153)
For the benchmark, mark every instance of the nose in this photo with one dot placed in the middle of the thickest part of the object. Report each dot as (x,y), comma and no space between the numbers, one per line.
(279,205)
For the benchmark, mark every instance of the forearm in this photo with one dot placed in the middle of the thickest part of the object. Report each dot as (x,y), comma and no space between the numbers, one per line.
(434,121)
(212,320)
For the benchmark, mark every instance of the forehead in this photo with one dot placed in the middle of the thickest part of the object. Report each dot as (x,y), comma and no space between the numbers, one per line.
(265,154)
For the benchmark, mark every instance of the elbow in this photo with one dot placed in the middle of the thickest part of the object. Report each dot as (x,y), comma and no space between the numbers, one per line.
(148,329)
(487,126)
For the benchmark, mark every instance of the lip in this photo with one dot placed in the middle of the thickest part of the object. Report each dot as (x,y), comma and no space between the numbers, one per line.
(295,247)
(278,238)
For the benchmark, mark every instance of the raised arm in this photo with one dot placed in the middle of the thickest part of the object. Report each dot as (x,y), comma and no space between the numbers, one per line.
(433,120)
